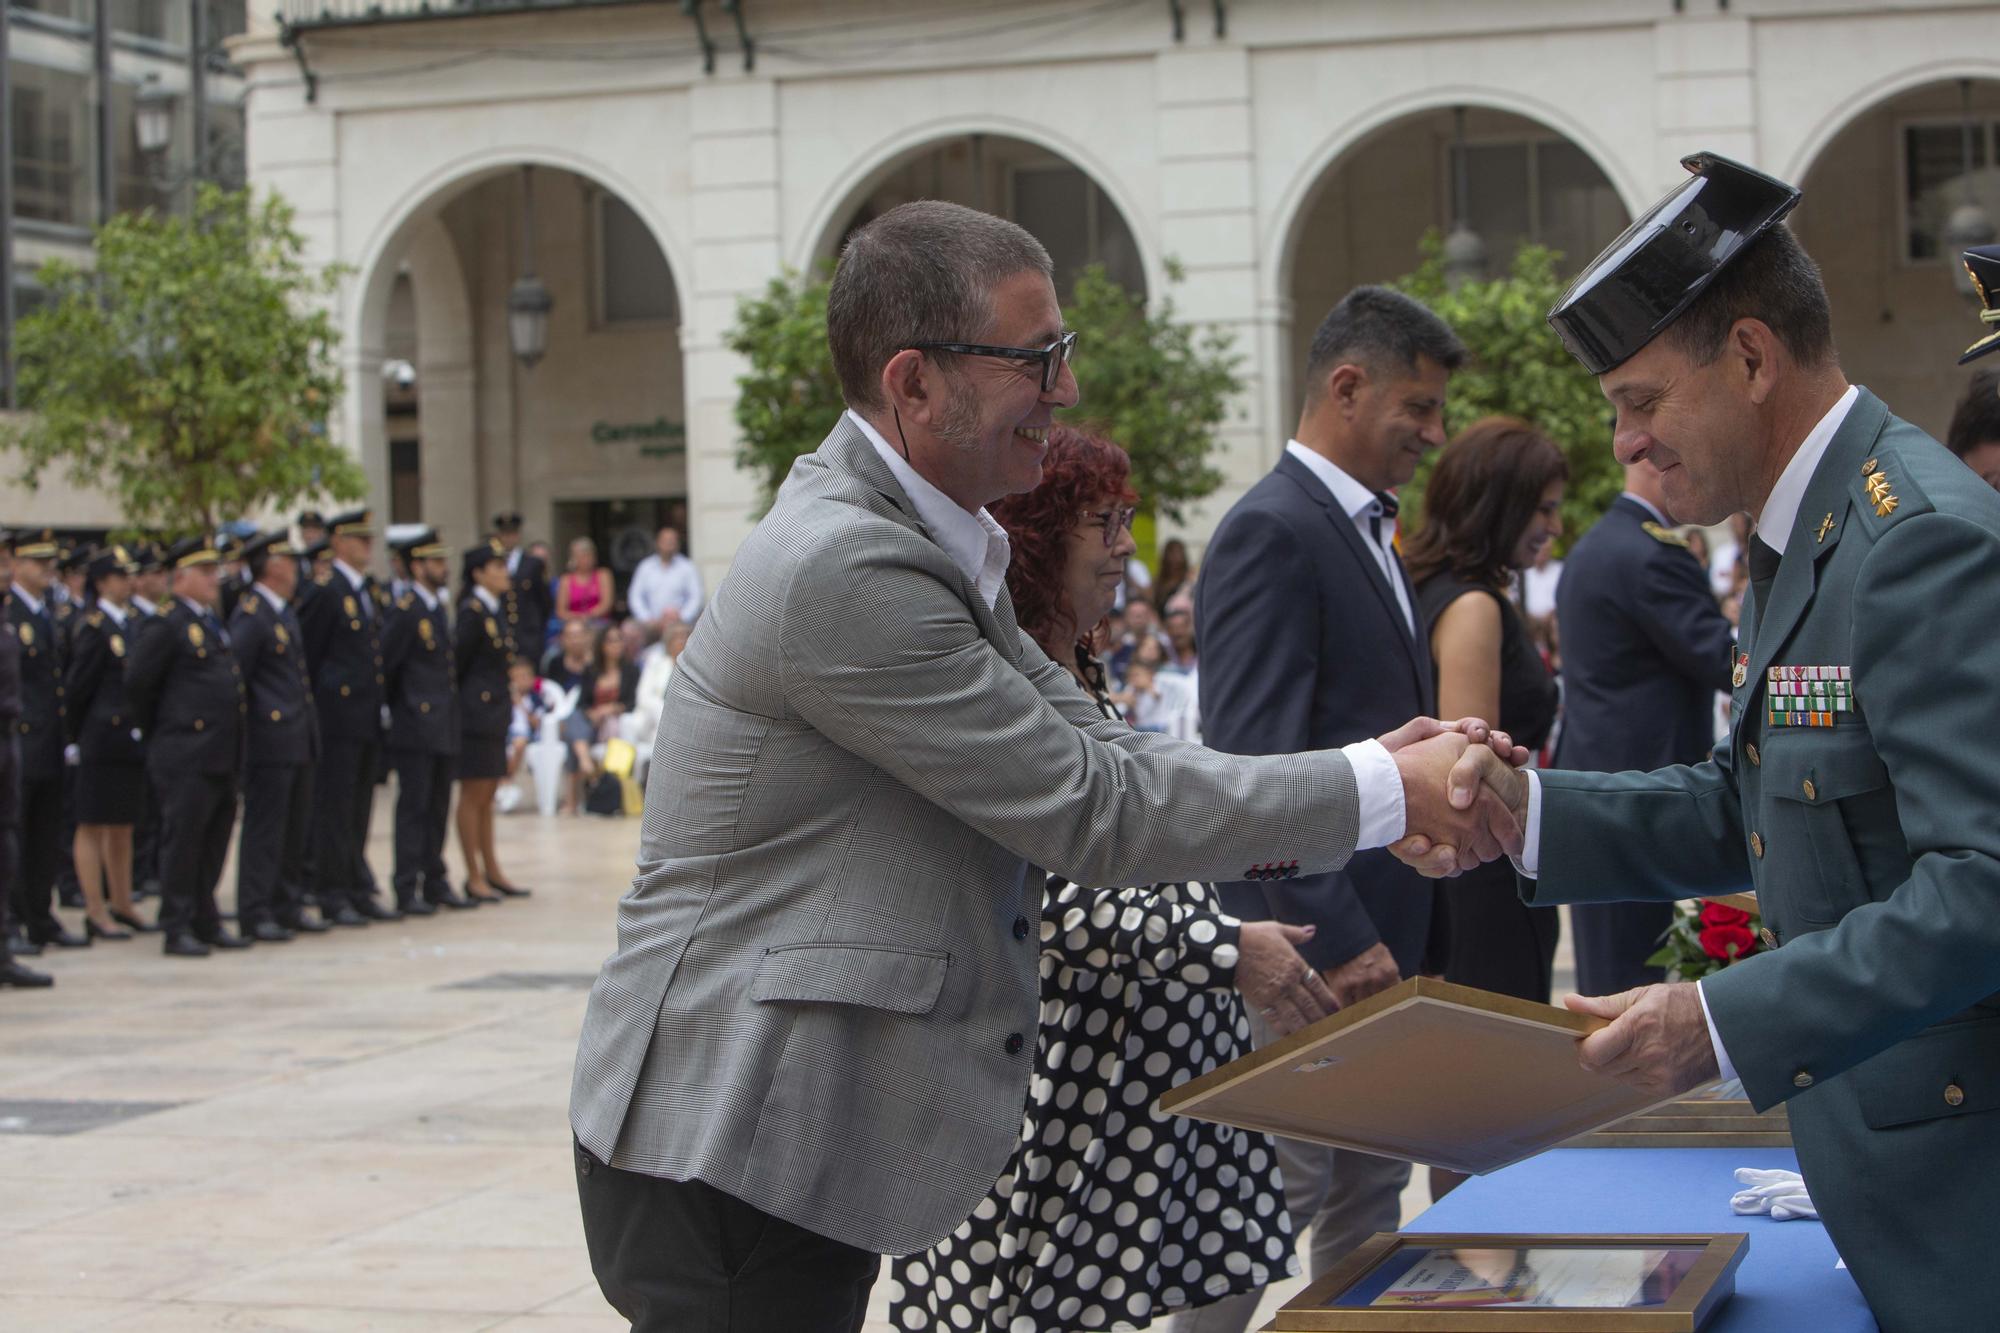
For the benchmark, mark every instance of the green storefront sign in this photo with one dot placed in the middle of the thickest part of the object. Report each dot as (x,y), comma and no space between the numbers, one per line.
(658,438)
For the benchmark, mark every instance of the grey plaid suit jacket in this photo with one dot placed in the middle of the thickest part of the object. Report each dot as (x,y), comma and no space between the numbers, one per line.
(824,995)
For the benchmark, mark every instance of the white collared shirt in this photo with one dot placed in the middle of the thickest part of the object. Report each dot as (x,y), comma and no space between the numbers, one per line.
(22,596)
(1363,509)
(1781,510)
(661,585)
(114,611)
(146,608)
(1774,525)
(430,598)
(277,602)
(975,542)
(487,600)
(1648,506)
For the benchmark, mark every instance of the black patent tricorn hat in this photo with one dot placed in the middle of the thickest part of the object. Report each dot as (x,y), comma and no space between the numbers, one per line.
(1983,263)
(1645,279)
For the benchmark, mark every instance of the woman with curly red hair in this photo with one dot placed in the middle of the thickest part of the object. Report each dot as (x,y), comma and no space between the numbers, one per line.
(1109,1213)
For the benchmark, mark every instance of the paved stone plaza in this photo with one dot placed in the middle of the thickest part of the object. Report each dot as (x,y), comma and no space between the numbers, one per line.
(359,1130)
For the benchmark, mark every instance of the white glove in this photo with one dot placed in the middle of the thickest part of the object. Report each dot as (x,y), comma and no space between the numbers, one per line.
(385,717)
(72,755)
(1781,1194)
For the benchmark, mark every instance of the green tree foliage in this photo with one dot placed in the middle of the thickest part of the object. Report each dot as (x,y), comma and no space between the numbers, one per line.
(1520,368)
(189,372)
(1158,387)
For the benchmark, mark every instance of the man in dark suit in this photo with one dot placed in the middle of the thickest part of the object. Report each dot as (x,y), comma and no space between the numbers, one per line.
(187,693)
(422,690)
(529,607)
(1645,649)
(41,733)
(342,620)
(284,744)
(1310,640)
(12,973)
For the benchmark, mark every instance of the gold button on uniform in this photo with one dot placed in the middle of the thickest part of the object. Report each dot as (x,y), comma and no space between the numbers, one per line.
(199,724)
(344,691)
(1750,748)
(485,697)
(423,708)
(1770,940)
(1802,1079)
(1757,846)
(277,716)
(1812,794)
(1954,1095)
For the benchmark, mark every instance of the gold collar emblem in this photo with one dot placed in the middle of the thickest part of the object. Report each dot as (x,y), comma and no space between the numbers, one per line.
(424,629)
(1825,526)
(28,635)
(195,635)
(118,645)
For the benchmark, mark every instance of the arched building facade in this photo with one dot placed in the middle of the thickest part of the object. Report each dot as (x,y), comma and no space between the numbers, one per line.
(1272,153)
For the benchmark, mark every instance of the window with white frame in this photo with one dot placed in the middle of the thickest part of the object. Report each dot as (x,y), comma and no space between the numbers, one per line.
(1076,223)
(1545,191)
(1935,181)
(634,284)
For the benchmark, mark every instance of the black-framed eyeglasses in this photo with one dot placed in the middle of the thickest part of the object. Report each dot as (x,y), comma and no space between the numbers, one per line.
(1115,521)
(1051,358)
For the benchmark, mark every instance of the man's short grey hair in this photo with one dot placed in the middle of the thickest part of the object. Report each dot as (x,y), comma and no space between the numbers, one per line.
(922,272)
(1383,331)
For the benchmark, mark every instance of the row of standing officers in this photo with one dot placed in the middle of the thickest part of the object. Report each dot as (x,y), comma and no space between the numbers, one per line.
(290,689)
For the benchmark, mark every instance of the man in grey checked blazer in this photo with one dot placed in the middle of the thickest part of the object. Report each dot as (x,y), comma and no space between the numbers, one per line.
(813,1043)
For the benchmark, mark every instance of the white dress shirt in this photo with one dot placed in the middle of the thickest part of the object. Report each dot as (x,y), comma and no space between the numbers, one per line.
(1774,526)
(146,608)
(1364,509)
(34,604)
(659,586)
(277,602)
(975,542)
(358,583)
(487,600)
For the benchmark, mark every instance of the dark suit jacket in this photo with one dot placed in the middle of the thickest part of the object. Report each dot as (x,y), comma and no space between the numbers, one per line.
(270,647)
(1644,646)
(1303,647)
(187,692)
(530,604)
(344,655)
(481,651)
(41,722)
(421,675)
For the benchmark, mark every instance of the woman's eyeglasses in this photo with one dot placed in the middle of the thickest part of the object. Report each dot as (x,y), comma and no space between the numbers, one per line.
(1051,358)
(1114,522)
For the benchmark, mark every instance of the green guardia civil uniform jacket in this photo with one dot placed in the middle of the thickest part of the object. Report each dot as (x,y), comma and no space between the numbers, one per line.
(1859,794)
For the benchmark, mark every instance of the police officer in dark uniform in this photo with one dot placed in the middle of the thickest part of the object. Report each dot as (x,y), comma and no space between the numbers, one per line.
(149,597)
(111,768)
(283,747)
(67,603)
(41,733)
(528,598)
(342,620)
(187,690)
(423,727)
(1645,650)
(12,973)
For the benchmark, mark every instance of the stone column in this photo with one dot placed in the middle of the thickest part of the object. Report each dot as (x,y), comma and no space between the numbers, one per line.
(1704,96)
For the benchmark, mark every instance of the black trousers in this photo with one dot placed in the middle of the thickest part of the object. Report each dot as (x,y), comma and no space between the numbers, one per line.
(683,1257)
(41,848)
(10,874)
(68,887)
(1613,941)
(146,843)
(423,811)
(197,811)
(344,795)
(270,857)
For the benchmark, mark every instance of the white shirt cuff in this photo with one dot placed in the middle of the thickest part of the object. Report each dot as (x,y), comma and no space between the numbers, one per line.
(1714,1037)
(1529,862)
(1379,784)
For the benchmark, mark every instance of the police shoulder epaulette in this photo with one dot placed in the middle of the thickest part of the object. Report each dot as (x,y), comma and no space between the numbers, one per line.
(1664,534)
(406,601)
(251,601)
(323,578)
(96,617)
(1885,493)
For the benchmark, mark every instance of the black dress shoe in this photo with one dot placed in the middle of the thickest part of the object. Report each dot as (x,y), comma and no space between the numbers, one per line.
(456,902)
(344,915)
(375,911)
(13,974)
(132,921)
(510,890)
(305,925)
(222,939)
(23,947)
(91,930)
(183,946)
(53,933)
(415,907)
(270,932)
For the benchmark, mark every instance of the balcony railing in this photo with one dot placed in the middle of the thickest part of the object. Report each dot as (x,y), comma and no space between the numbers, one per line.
(305,14)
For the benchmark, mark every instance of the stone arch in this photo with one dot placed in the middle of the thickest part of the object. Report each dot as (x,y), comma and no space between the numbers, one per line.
(1862,102)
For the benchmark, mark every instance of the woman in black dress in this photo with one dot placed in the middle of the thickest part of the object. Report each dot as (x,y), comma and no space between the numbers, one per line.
(484,710)
(1493,505)
(111,773)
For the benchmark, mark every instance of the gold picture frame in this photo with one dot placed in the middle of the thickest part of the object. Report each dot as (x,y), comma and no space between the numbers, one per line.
(1386,1277)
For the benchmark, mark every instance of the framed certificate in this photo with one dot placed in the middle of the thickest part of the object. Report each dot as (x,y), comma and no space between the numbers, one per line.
(1418,1283)
(1426,1071)
(1696,1122)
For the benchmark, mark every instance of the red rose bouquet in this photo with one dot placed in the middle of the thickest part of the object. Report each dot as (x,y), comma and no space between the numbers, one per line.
(1705,937)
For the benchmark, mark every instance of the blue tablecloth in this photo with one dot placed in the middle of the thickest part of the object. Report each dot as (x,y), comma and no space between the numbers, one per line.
(1787,1281)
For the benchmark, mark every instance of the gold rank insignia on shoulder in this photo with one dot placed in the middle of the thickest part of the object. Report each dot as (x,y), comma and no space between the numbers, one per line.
(406,601)
(96,617)
(195,635)
(1878,493)
(1808,696)
(249,603)
(1662,534)
(118,645)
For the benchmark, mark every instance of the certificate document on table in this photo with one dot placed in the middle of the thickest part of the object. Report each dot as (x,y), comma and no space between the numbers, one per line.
(1570,1277)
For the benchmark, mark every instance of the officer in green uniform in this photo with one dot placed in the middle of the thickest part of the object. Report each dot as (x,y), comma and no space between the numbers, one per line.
(1855,791)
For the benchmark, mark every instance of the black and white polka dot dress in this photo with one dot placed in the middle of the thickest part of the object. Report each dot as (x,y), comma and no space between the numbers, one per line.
(1111,1214)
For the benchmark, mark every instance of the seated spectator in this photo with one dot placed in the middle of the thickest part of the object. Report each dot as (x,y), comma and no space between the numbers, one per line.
(665,591)
(606,686)
(656,668)
(584,592)
(1141,623)
(1180,640)
(1975,427)
(530,707)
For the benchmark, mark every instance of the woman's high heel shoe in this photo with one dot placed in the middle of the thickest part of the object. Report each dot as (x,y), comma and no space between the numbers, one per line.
(480,897)
(92,930)
(133,921)
(509,890)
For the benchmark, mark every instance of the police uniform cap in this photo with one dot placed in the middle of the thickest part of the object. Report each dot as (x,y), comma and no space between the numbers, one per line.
(42,547)
(73,558)
(478,557)
(267,544)
(191,551)
(1983,264)
(314,550)
(423,544)
(146,556)
(509,522)
(112,560)
(1645,279)
(353,523)
(311,518)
